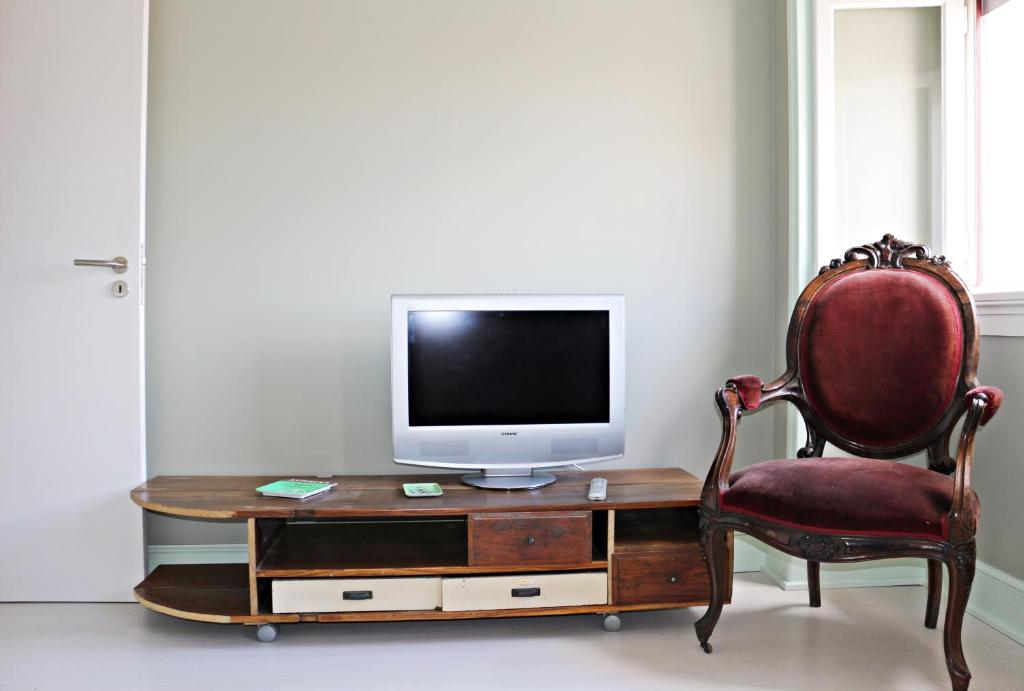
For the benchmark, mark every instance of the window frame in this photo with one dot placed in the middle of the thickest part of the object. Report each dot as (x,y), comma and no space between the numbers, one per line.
(1000,311)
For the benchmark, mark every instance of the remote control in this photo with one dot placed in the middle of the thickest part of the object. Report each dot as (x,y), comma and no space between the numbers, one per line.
(598,489)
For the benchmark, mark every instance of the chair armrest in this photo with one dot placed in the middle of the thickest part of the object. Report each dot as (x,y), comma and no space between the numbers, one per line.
(755,395)
(749,388)
(993,399)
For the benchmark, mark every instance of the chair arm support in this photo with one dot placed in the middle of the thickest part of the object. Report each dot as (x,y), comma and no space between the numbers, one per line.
(729,405)
(981,403)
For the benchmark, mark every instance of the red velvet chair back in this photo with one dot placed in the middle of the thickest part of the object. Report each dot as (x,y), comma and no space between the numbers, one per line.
(883,348)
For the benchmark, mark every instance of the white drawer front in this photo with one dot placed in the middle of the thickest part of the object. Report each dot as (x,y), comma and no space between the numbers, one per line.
(355,594)
(525,591)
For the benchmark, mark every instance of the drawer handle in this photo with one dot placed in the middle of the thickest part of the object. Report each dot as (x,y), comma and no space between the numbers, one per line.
(357,595)
(673,579)
(530,540)
(526,592)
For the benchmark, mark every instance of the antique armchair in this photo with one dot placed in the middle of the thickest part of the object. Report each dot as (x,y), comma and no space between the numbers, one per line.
(882,355)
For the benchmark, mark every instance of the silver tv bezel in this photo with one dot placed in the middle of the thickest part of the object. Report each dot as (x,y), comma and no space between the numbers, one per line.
(493,447)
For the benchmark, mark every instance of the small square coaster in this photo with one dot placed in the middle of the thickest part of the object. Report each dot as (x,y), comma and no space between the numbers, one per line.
(422,489)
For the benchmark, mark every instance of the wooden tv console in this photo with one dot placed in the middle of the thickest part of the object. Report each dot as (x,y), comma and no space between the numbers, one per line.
(365,552)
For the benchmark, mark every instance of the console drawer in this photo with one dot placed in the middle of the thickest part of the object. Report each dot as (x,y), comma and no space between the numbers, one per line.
(355,594)
(525,591)
(550,537)
(676,576)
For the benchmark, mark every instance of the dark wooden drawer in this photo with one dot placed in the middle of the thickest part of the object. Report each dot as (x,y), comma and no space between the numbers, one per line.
(556,537)
(676,576)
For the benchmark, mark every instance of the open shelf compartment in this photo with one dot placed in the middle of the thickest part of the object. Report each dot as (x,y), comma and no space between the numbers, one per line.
(363,548)
(655,530)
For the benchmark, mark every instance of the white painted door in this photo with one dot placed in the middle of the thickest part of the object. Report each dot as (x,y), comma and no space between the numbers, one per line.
(72,133)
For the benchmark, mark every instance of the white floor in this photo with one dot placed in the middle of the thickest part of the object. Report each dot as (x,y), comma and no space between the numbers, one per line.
(869,638)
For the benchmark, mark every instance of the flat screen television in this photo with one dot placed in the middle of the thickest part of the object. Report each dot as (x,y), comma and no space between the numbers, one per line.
(506,384)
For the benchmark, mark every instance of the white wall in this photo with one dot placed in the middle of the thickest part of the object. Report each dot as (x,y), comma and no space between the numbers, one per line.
(309,159)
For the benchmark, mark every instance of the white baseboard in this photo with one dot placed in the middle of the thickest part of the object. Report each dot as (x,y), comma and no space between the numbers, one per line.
(790,573)
(997,598)
(748,554)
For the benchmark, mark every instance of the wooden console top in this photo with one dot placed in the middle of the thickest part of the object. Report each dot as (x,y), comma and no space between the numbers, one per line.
(381,495)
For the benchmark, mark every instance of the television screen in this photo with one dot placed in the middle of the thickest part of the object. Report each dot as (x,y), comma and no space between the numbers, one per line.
(469,367)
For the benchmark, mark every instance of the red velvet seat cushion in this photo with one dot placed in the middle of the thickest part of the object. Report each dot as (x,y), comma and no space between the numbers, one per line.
(851,496)
(880,352)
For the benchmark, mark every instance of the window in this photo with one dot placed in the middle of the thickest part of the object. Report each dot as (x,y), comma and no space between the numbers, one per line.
(900,89)
(999,237)
(1000,242)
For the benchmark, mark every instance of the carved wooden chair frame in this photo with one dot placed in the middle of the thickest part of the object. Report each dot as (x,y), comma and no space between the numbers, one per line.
(748,395)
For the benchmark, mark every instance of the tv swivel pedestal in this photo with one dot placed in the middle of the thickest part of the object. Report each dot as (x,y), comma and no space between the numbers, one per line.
(365,552)
(509,479)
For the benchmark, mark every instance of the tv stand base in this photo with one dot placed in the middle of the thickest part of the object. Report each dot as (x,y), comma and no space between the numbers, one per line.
(508,479)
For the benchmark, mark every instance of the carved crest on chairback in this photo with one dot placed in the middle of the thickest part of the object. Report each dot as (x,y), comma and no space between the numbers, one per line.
(888,252)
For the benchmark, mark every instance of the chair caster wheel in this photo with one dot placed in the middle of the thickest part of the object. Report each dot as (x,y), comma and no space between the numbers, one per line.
(266,633)
(706,646)
(612,622)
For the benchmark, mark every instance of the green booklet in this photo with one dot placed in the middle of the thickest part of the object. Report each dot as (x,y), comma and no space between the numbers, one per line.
(295,489)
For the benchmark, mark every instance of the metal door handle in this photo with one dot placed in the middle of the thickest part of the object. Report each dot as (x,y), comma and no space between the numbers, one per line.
(118,264)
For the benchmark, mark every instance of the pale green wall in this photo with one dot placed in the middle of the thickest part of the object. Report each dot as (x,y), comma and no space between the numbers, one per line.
(999,458)
(307,159)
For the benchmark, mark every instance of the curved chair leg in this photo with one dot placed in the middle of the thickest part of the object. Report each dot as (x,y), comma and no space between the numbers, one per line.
(814,582)
(960,561)
(712,542)
(931,613)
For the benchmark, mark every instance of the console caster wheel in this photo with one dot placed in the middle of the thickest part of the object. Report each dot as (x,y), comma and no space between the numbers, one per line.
(706,646)
(266,633)
(612,622)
